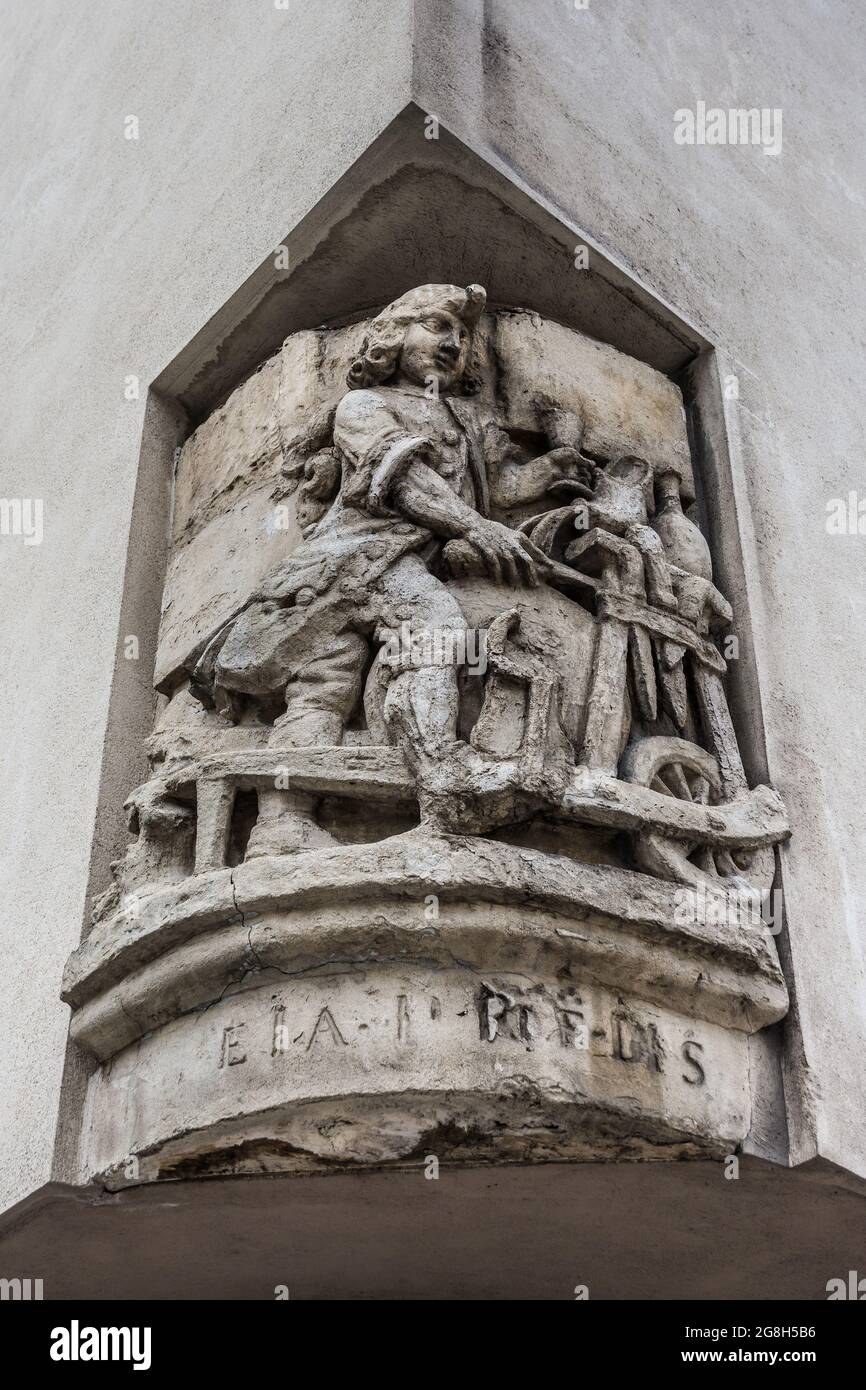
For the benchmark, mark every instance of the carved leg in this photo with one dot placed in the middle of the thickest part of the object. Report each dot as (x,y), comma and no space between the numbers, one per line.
(214,801)
(324,690)
(319,700)
(422,707)
(422,699)
(460,789)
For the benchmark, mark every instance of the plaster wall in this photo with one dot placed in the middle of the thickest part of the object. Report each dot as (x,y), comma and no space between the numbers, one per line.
(764,255)
(116,252)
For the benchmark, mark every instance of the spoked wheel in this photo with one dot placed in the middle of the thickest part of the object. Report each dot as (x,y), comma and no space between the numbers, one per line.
(674,767)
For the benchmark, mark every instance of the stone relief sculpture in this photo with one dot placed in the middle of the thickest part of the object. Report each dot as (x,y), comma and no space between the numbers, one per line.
(502,625)
(421,540)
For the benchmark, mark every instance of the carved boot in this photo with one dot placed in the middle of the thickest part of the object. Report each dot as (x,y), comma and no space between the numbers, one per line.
(287,821)
(286,824)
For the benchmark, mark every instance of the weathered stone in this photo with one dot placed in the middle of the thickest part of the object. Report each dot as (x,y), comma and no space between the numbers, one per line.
(494,905)
(626,406)
(212,576)
(236,447)
(466,599)
(317,1072)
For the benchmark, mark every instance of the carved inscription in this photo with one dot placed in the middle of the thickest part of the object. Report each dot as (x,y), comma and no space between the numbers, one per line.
(501,1015)
(326,1027)
(529,1017)
(692,1051)
(636,1043)
(231,1051)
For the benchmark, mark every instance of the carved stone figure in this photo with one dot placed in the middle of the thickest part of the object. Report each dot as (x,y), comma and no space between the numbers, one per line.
(484,674)
(414,457)
(425,479)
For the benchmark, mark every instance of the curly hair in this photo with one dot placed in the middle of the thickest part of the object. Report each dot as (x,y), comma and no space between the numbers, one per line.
(379,354)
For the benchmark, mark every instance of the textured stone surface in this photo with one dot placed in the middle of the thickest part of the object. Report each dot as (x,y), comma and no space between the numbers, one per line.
(160,243)
(496,905)
(500,1065)
(235,448)
(515,1001)
(725,237)
(211,575)
(628,408)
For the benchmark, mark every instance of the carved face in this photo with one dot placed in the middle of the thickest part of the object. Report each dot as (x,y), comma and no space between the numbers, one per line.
(435,347)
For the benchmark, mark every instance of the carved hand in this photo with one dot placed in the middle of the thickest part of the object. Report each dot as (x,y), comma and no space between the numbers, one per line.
(509,557)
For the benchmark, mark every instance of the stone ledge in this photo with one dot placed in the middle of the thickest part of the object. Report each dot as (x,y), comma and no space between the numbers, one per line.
(374,772)
(498,906)
(387,1063)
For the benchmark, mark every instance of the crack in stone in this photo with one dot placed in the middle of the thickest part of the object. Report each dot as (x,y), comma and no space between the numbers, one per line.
(252,950)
